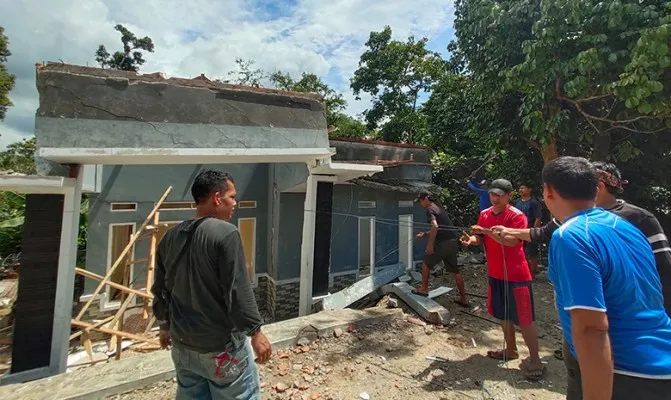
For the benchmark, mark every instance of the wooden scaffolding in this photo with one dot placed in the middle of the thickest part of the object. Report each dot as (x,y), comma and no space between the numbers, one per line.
(113,325)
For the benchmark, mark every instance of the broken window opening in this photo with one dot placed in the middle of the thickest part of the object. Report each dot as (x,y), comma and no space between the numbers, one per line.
(124,207)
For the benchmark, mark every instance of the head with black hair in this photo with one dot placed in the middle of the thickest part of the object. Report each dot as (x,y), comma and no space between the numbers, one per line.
(214,193)
(610,184)
(525,190)
(569,186)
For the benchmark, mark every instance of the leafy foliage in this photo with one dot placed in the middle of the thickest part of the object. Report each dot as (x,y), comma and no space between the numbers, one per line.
(7,80)
(19,157)
(395,73)
(131,58)
(246,74)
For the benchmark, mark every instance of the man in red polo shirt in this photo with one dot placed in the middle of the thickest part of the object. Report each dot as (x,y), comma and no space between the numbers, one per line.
(510,296)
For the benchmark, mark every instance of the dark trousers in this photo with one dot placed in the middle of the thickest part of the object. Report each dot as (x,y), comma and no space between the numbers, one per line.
(624,387)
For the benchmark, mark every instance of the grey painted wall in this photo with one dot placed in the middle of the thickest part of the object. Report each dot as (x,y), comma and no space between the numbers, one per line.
(144,185)
(408,172)
(352,150)
(344,231)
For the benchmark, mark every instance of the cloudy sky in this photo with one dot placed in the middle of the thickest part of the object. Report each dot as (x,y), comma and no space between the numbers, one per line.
(325,37)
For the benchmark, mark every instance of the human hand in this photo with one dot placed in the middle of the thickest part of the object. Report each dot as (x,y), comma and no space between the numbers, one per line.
(466,239)
(420,235)
(262,347)
(164,339)
(478,230)
(500,230)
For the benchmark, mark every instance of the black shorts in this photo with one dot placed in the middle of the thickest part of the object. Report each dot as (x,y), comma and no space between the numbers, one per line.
(511,301)
(530,250)
(446,252)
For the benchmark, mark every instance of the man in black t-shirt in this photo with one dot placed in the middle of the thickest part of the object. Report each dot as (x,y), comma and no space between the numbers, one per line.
(442,246)
(533,210)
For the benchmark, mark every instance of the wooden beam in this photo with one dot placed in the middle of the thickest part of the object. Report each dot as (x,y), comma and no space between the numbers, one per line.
(114,332)
(97,324)
(114,285)
(151,265)
(123,254)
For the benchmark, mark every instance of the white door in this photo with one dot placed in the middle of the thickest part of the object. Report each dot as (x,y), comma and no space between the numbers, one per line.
(405,239)
(366,245)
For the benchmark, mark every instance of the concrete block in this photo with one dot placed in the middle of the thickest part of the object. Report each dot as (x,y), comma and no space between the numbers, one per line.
(362,288)
(424,306)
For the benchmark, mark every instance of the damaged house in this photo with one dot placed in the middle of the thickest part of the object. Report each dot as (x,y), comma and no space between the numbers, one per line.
(315,214)
(361,223)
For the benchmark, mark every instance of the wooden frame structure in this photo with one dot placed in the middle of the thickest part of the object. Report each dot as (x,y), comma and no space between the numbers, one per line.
(114,325)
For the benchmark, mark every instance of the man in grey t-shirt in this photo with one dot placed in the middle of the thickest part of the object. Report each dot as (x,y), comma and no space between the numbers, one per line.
(204,302)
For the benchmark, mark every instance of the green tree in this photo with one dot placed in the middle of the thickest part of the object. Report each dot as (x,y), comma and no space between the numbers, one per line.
(19,157)
(131,58)
(246,74)
(7,80)
(395,74)
(310,83)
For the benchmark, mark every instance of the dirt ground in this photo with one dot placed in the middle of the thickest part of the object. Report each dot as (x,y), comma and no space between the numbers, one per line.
(388,361)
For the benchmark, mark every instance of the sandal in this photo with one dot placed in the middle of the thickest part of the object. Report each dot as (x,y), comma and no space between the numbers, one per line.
(461,303)
(532,372)
(501,355)
(418,293)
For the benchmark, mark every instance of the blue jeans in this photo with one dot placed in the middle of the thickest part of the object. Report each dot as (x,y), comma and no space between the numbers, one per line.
(227,375)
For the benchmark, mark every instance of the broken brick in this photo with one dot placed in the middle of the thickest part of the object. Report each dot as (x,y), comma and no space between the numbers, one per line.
(337,332)
(280,387)
(351,328)
(305,349)
(416,321)
(304,386)
(315,396)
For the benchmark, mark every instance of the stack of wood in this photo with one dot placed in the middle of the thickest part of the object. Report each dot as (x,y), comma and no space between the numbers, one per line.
(114,325)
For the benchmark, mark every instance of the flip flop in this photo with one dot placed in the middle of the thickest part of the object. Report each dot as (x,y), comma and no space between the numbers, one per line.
(418,293)
(500,355)
(461,303)
(532,373)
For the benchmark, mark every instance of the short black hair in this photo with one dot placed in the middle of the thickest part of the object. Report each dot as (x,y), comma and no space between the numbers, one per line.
(611,177)
(209,181)
(574,178)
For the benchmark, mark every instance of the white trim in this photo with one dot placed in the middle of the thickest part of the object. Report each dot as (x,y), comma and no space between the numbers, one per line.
(308,245)
(123,210)
(644,376)
(409,243)
(253,260)
(106,304)
(406,203)
(346,171)
(585,308)
(657,238)
(34,184)
(371,244)
(191,206)
(366,204)
(661,250)
(244,207)
(143,156)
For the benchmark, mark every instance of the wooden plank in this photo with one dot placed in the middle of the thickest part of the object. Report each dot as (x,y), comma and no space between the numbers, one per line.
(97,324)
(139,261)
(150,267)
(123,254)
(114,332)
(424,306)
(115,285)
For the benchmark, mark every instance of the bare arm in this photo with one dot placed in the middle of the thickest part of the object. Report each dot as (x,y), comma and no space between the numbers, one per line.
(589,330)
(432,233)
(510,234)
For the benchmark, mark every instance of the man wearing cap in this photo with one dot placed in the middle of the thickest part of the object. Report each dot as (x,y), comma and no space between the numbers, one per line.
(510,295)
(442,246)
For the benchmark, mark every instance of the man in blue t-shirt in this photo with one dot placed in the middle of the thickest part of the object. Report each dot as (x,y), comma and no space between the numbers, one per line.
(608,292)
(481,190)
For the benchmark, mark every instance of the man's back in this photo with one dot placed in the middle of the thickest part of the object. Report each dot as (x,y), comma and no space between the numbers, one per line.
(444,223)
(601,262)
(204,286)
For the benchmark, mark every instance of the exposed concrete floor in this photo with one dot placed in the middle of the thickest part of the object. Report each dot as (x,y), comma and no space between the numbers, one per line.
(127,374)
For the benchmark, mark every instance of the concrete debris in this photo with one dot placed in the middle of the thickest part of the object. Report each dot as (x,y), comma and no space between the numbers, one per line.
(424,306)
(392,303)
(364,396)
(303,341)
(439,291)
(362,288)
(404,278)
(337,332)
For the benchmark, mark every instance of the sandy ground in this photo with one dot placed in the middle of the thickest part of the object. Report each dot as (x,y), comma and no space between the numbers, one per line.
(388,361)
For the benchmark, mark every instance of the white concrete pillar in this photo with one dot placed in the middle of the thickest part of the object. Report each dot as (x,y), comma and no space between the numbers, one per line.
(67,260)
(308,246)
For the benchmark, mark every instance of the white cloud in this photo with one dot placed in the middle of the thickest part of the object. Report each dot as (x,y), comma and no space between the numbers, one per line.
(323,37)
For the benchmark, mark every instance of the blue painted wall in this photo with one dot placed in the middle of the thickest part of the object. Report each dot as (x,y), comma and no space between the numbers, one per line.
(144,185)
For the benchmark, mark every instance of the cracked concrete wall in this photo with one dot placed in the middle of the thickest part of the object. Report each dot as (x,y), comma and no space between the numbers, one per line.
(93,108)
(360,151)
(144,185)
